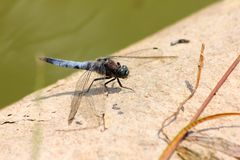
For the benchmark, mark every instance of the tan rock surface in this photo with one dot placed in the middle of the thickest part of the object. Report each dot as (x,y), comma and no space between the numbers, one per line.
(40,127)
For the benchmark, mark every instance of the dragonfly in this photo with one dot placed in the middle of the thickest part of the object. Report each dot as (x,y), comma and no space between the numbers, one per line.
(107,68)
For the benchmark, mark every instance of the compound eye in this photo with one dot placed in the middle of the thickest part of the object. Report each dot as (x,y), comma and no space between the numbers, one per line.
(123,71)
(118,64)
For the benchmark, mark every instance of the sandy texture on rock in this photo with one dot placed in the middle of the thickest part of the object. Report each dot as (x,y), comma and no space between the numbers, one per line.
(38,129)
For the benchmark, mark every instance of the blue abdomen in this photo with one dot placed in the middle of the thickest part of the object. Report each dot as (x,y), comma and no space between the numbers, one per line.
(68,64)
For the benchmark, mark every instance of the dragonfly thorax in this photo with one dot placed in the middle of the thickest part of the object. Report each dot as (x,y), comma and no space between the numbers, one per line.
(122,72)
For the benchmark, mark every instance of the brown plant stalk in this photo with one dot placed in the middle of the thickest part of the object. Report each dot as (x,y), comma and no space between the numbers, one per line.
(173,116)
(175,142)
(167,153)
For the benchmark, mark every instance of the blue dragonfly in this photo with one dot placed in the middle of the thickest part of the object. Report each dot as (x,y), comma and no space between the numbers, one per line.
(106,67)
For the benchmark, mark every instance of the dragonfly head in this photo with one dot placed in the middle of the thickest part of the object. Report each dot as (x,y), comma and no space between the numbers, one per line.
(122,72)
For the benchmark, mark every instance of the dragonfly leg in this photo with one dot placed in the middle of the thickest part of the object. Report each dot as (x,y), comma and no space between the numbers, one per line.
(105,84)
(120,84)
(97,79)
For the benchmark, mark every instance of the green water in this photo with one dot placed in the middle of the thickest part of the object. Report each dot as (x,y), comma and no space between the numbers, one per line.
(74,29)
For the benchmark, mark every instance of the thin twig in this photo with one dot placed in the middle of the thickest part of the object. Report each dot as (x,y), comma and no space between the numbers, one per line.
(214,91)
(175,142)
(167,153)
(173,117)
(218,144)
(103,120)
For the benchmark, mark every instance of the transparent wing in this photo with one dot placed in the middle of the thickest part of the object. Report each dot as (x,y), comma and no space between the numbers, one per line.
(80,90)
(88,102)
(144,56)
(96,98)
(146,53)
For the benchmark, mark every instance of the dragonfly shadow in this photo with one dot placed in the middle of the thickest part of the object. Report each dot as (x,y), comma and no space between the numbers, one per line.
(92,92)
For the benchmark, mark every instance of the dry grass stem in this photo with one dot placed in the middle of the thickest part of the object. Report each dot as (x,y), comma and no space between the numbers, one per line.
(173,116)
